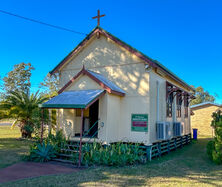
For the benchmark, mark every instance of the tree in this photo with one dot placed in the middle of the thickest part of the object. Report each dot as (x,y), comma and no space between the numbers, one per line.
(202,96)
(214,147)
(19,78)
(50,84)
(23,107)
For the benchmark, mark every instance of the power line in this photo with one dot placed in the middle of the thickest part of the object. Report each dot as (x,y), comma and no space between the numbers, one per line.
(40,22)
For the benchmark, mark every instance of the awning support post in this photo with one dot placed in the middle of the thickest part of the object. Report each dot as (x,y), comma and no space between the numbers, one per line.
(80,143)
(42,121)
(50,122)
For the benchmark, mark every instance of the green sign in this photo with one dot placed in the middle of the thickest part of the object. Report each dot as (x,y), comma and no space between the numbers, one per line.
(139,122)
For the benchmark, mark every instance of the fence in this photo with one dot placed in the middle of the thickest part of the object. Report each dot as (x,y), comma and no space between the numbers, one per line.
(159,148)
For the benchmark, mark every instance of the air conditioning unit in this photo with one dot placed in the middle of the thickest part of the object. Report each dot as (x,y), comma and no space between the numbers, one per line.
(177,129)
(182,129)
(167,130)
(163,130)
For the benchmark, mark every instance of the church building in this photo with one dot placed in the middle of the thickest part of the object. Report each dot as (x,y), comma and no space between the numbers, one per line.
(111,92)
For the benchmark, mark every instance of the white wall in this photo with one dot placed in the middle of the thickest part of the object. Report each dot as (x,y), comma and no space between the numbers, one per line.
(162,107)
(83,83)
(126,71)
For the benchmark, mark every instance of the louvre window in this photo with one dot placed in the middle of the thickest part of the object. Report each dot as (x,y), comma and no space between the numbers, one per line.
(186,104)
(169,104)
(179,104)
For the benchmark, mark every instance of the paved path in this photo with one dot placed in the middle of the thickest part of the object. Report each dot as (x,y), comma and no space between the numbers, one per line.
(5,124)
(31,169)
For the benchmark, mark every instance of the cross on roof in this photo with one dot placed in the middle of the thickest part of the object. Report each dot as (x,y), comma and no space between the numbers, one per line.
(98,17)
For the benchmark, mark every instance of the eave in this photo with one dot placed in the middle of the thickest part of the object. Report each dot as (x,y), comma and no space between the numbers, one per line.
(97,31)
(85,72)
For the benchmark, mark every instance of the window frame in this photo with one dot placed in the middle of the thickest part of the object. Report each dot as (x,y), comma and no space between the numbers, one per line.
(169,100)
(179,104)
(186,106)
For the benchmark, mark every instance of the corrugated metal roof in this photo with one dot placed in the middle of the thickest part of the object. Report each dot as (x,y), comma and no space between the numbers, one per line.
(206,103)
(73,99)
(106,81)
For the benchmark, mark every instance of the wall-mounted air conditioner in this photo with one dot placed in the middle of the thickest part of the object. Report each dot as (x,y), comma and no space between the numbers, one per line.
(163,130)
(182,129)
(167,130)
(177,129)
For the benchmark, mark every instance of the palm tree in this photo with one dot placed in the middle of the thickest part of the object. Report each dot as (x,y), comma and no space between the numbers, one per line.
(23,107)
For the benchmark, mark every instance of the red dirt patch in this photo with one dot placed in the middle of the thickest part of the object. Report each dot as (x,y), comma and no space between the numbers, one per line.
(31,169)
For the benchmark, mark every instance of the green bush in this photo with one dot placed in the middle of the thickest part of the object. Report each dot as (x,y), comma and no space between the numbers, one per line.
(118,154)
(57,140)
(214,147)
(210,148)
(41,152)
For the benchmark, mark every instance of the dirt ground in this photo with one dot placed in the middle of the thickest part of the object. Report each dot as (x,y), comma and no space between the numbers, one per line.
(30,169)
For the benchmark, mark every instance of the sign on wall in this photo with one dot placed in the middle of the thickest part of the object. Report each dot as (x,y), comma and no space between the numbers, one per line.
(139,122)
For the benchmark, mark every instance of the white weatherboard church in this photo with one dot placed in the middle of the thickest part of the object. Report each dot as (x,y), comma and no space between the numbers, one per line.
(111,92)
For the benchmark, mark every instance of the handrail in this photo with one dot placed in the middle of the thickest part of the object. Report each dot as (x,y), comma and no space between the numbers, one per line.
(94,134)
(91,128)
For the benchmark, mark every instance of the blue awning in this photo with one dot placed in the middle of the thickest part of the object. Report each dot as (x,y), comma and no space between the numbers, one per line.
(73,99)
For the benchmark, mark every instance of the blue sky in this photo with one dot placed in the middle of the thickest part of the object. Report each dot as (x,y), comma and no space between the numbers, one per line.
(184,35)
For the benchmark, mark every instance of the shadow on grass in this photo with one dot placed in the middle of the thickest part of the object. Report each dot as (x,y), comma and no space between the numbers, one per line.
(12,150)
(184,166)
(11,143)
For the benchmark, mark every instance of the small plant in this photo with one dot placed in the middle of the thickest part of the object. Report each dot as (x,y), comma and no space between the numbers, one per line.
(118,154)
(214,147)
(41,152)
(57,140)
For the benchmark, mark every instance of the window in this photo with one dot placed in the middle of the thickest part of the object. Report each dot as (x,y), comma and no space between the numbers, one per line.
(169,101)
(186,104)
(170,105)
(179,104)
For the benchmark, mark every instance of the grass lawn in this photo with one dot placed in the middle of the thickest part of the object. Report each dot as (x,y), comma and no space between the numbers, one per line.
(11,148)
(188,166)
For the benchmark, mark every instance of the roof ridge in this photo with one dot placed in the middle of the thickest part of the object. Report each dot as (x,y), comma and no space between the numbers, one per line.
(141,55)
(206,103)
(104,82)
(151,59)
(93,71)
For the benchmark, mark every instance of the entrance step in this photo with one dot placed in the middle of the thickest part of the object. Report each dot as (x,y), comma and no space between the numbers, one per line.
(62,160)
(69,150)
(65,155)
(69,145)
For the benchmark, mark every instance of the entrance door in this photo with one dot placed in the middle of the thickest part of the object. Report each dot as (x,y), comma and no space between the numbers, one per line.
(93,118)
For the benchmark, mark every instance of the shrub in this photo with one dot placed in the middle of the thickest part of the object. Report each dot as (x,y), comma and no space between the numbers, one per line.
(41,152)
(217,152)
(214,147)
(118,154)
(210,148)
(48,149)
(56,140)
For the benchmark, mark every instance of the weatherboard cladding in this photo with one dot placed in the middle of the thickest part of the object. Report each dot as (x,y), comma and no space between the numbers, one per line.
(144,57)
(73,99)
